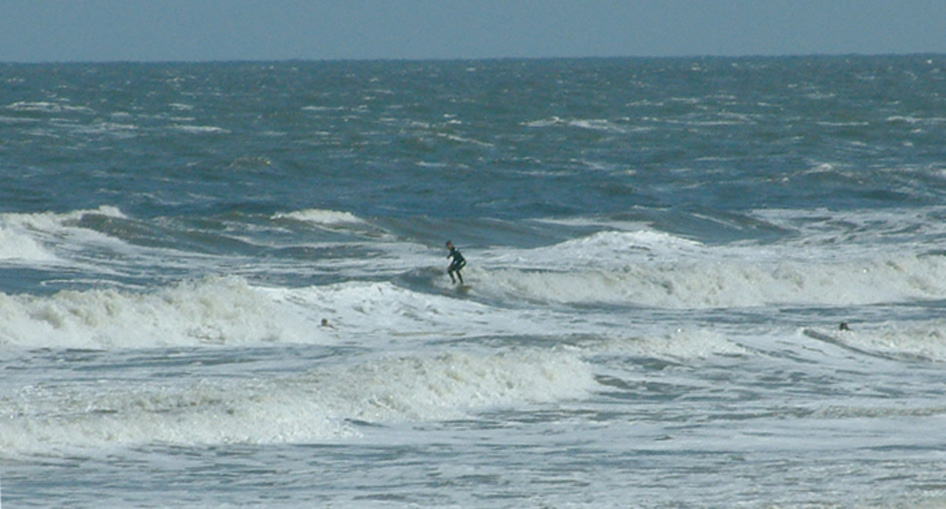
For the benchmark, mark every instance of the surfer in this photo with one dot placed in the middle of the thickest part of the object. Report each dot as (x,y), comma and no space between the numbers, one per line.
(457,263)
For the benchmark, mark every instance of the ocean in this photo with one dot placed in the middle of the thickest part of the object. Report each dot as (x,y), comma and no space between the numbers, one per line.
(692,282)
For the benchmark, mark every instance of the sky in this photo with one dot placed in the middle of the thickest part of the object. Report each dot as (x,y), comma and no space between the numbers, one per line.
(225,30)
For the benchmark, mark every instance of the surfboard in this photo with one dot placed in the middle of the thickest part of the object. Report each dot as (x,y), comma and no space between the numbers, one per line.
(833,338)
(836,338)
(456,290)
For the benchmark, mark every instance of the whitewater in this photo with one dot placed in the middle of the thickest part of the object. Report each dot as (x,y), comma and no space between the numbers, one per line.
(690,283)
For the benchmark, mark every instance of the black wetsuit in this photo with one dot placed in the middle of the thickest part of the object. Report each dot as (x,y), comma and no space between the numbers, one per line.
(457,264)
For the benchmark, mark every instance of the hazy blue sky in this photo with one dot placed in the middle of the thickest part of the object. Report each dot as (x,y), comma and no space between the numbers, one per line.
(187,30)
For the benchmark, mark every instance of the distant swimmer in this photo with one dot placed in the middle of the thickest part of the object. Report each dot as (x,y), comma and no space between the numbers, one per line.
(843,326)
(326,324)
(457,263)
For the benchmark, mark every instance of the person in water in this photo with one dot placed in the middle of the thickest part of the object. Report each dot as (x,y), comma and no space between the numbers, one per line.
(457,263)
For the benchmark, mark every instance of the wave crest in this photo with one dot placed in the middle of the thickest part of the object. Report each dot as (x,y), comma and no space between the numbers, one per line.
(213,310)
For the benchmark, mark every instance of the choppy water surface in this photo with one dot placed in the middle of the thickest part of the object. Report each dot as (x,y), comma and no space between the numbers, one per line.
(661,253)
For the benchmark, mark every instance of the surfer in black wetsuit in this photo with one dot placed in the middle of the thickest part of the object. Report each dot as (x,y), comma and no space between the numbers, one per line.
(457,263)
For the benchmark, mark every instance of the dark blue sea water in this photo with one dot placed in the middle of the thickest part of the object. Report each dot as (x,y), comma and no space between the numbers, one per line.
(661,253)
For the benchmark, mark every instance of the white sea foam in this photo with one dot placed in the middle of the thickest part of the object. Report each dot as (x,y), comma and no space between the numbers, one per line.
(445,386)
(593,124)
(35,237)
(212,311)
(681,344)
(322,217)
(728,283)
(625,226)
(596,125)
(201,129)
(316,406)
(545,122)
(918,339)
(855,233)
(218,311)
(46,107)
(16,244)
(607,249)
(376,313)
(15,120)
(462,139)
(203,413)
(661,270)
